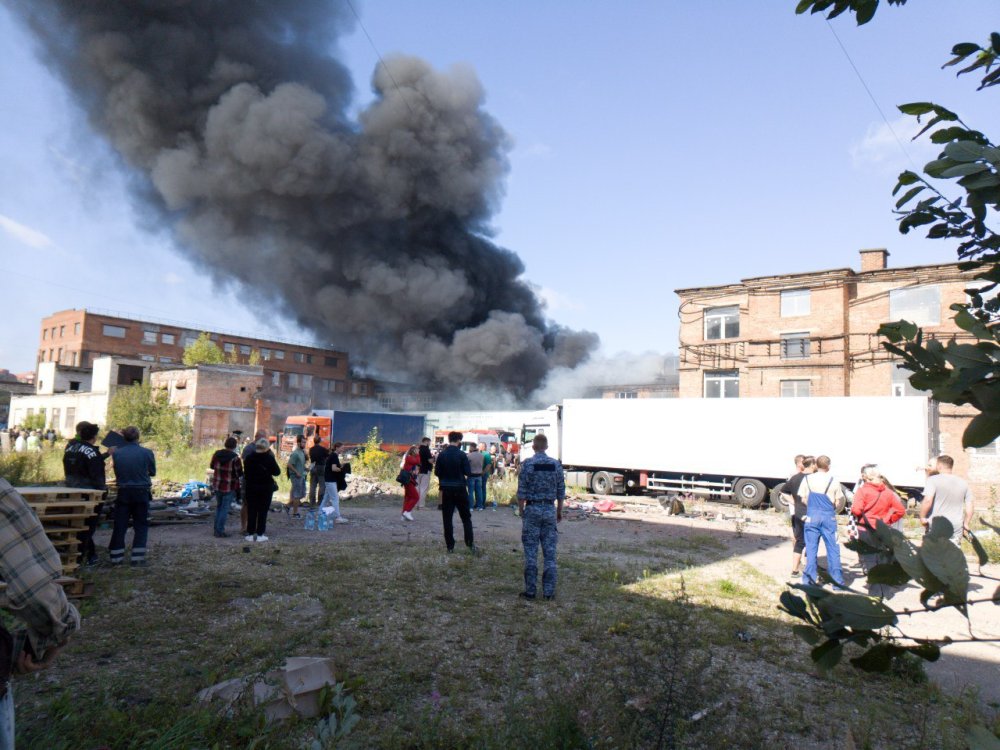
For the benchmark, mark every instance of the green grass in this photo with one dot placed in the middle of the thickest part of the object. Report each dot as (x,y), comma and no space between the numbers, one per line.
(440,653)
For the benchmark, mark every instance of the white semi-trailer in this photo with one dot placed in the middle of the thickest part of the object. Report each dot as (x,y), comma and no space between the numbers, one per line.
(738,449)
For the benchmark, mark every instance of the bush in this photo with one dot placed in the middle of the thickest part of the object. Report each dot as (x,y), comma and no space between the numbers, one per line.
(152,413)
(373,462)
(24,469)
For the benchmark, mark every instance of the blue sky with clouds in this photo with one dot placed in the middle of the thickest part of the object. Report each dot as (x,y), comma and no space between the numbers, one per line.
(657,145)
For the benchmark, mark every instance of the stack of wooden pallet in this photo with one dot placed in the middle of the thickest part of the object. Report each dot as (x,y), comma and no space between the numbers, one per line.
(64,512)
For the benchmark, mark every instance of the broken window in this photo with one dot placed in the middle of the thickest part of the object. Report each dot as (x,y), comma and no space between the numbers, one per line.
(74,385)
(917,304)
(794,302)
(722,322)
(795,388)
(722,384)
(795,346)
(115,332)
(331,361)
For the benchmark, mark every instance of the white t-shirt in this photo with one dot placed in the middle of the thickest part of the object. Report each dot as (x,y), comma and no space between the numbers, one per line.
(950,499)
(816,482)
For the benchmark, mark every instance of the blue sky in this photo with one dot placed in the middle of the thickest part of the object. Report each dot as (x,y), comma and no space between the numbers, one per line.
(658,145)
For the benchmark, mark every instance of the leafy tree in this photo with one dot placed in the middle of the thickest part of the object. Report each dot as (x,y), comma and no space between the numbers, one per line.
(151,412)
(34,421)
(203,351)
(956,373)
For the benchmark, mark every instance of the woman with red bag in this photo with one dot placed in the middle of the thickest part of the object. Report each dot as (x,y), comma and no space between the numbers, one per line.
(411,495)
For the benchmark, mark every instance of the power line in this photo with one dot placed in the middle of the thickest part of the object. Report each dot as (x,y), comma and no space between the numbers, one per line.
(379,56)
(871,95)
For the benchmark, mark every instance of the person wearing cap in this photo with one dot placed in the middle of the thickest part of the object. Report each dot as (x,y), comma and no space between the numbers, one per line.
(83,466)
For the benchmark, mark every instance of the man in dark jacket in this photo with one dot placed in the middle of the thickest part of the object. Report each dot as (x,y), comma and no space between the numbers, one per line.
(227,478)
(134,467)
(83,465)
(453,471)
(318,455)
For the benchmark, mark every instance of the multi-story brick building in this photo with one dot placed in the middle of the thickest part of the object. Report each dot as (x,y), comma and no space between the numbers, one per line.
(815,334)
(296,376)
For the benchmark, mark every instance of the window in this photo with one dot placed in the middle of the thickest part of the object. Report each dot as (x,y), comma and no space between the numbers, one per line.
(901,383)
(76,329)
(149,337)
(341,386)
(794,388)
(188,340)
(722,322)
(70,422)
(55,417)
(74,385)
(59,355)
(168,338)
(45,333)
(627,394)
(794,302)
(147,358)
(918,304)
(265,354)
(115,332)
(62,331)
(166,360)
(307,381)
(279,354)
(722,384)
(795,346)
(244,350)
(52,332)
(293,380)
(229,348)
(276,378)
(331,361)
(987,450)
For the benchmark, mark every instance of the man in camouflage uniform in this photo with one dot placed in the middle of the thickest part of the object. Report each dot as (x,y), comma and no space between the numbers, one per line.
(541,489)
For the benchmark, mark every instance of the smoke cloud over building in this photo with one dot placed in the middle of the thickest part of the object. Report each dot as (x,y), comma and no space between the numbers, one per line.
(373,232)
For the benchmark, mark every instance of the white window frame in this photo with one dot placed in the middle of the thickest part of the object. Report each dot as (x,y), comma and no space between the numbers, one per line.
(723,376)
(795,302)
(168,338)
(903,305)
(798,382)
(149,337)
(722,314)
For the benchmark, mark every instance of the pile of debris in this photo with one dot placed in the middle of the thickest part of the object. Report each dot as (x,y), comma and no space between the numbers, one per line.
(362,486)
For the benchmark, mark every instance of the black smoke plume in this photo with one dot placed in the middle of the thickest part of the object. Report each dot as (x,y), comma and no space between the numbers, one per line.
(371,232)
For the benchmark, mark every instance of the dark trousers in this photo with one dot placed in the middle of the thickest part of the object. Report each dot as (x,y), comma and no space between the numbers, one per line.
(258,506)
(88,551)
(132,503)
(317,486)
(452,499)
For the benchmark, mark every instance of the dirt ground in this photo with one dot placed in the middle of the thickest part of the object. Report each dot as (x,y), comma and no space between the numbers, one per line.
(760,538)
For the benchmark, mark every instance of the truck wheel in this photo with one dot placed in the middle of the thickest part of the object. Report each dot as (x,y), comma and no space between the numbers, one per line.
(749,493)
(777,502)
(602,484)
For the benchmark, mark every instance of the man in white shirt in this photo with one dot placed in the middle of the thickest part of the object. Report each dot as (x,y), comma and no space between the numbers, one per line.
(947,496)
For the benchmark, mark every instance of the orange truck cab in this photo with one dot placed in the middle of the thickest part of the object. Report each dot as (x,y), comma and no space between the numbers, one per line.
(308,425)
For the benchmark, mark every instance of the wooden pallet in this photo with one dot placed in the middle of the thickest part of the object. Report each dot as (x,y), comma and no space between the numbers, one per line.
(59,494)
(64,509)
(76,588)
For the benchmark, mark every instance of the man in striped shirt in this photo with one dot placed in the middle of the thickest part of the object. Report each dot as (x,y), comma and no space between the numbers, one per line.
(29,566)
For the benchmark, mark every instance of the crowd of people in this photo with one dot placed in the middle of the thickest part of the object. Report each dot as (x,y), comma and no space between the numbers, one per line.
(814,495)
(23,440)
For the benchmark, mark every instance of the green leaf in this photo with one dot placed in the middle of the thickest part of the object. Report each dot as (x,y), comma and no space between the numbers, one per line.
(891,574)
(909,559)
(794,605)
(968,322)
(981,738)
(963,170)
(995,42)
(916,108)
(856,611)
(827,655)
(982,430)
(878,658)
(965,355)
(906,178)
(813,592)
(940,528)
(937,166)
(965,49)
(947,563)
(806,633)
(908,195)
(964,151)
(926,651)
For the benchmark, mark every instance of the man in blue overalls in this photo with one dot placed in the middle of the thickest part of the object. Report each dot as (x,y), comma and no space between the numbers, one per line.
(820,492)
(541,489)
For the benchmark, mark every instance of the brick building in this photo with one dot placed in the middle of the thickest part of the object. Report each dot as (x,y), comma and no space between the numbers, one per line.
(815,334)
(216,400)
(296,376)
